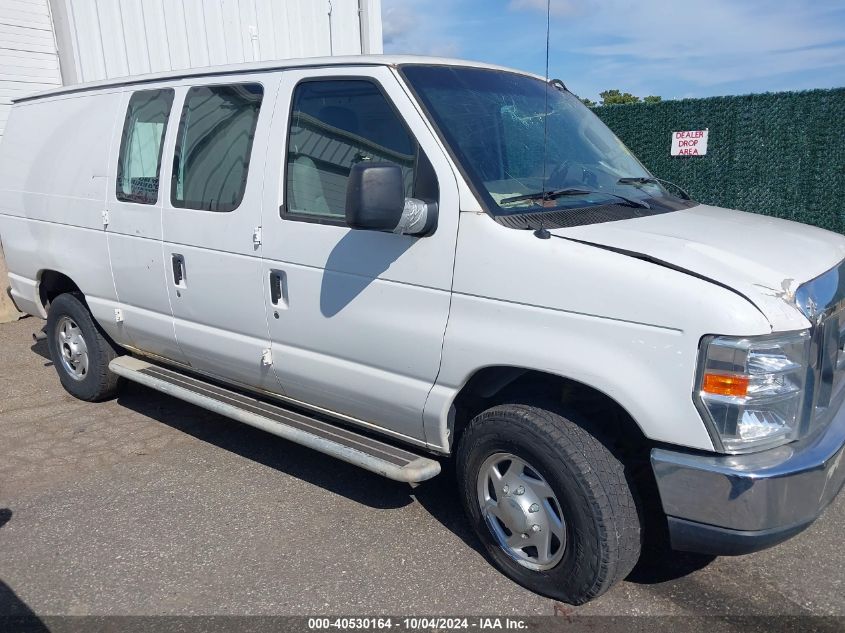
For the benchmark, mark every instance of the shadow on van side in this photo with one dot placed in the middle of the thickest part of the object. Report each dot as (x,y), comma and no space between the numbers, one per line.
(363,256)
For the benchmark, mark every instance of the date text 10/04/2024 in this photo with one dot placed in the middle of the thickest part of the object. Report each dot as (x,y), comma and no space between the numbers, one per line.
(420,623)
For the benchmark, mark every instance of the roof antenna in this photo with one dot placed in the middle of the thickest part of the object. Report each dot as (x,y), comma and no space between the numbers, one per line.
(542,232)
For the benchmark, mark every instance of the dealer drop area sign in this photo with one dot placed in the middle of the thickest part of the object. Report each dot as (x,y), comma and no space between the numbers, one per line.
(689,143)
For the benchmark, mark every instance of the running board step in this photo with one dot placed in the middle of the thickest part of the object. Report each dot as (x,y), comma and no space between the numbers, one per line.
(368,453)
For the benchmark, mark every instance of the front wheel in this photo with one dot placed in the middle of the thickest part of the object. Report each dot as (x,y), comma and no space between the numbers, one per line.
(80,351)
(550,503)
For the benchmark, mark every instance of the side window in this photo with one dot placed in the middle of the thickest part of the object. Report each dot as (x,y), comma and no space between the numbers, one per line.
(335,124)
(214,145)
(139,161)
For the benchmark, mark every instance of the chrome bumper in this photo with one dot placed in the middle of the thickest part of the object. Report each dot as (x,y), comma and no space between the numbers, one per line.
(735,504)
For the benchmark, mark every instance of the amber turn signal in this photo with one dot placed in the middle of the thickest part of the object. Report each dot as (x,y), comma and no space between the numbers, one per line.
(725,385)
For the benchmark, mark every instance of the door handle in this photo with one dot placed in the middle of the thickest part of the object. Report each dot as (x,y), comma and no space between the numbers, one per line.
(178,262)
(278,289)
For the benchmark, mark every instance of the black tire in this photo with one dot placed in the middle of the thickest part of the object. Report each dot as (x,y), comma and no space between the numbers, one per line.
(596,499)
(97,383)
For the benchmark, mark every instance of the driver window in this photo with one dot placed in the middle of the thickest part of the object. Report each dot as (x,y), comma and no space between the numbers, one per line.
(335,124)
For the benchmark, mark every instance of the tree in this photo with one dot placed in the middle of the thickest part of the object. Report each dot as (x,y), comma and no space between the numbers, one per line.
(611,97)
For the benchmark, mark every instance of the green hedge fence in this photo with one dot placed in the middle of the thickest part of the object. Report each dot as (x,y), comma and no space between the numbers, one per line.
(780,154)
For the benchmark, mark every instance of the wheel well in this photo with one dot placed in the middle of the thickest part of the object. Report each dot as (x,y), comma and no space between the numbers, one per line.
(597,412)
(496,385)
(52,284)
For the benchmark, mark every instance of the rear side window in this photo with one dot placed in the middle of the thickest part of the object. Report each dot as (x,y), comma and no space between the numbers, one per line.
(336,123)
(214,145)
(139,160)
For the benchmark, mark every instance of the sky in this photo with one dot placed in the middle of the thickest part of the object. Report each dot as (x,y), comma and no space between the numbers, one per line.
(671,48)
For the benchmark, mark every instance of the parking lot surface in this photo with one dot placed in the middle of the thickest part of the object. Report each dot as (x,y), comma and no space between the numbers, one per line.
(147,505)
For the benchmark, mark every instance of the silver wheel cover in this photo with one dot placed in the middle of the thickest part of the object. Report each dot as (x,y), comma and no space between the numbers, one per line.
(73,350)
(521,511)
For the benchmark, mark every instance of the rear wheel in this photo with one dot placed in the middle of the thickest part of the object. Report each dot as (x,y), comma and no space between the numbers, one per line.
(550,503)
(80,351)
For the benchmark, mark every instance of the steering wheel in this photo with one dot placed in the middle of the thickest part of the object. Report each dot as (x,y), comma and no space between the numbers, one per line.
(559,171)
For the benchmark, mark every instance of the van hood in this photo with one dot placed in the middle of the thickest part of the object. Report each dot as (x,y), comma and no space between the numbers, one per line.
(764,259)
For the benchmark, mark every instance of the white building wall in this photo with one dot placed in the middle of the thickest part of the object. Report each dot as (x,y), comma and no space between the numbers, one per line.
(28,59)
(99,39)
(47,43)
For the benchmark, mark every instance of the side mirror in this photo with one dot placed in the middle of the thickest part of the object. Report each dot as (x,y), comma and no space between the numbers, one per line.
(375,201)
(375,196)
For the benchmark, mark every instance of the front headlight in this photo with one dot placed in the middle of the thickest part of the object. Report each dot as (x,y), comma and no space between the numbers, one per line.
(751,389)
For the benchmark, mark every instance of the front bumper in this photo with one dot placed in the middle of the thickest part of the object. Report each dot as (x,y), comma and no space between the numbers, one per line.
(736,504)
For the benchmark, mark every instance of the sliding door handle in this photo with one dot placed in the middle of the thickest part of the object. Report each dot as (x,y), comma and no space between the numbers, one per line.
(278,289)
(178,262)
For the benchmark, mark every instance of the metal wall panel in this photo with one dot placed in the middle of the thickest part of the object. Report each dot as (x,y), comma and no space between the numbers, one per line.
(28,59)
(99,39)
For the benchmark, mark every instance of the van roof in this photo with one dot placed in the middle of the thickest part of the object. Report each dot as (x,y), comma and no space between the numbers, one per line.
(279,64)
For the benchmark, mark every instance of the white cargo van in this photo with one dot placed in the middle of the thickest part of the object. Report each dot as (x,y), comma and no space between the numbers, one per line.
(399,261)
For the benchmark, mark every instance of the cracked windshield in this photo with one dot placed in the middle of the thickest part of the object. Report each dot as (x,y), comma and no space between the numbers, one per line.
(500,126)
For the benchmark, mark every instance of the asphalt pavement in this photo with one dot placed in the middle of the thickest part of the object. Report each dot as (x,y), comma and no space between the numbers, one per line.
(146,505)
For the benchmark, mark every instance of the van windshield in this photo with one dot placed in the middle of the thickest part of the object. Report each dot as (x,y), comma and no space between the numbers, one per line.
(496,125)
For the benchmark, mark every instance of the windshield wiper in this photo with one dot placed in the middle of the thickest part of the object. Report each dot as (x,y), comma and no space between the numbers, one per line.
(642,180)
(571,191)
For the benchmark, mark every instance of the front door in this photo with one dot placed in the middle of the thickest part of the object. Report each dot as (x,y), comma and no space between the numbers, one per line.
(211,227)
(356,318)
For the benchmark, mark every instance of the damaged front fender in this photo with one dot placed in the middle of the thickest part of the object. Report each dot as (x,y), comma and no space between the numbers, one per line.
(779,306)
(776,265)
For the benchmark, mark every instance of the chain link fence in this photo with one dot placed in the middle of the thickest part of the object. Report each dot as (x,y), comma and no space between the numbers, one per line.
(779,154)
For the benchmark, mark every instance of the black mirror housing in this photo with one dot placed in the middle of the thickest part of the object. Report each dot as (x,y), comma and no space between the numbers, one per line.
(375,196)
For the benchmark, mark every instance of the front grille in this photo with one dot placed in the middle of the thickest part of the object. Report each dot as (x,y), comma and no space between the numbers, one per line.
(822,300)
(831,360)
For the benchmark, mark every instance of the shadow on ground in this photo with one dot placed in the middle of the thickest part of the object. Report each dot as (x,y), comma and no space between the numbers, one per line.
(41,348)
(15,614)
(438,496)
(660,564)
(298,461)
